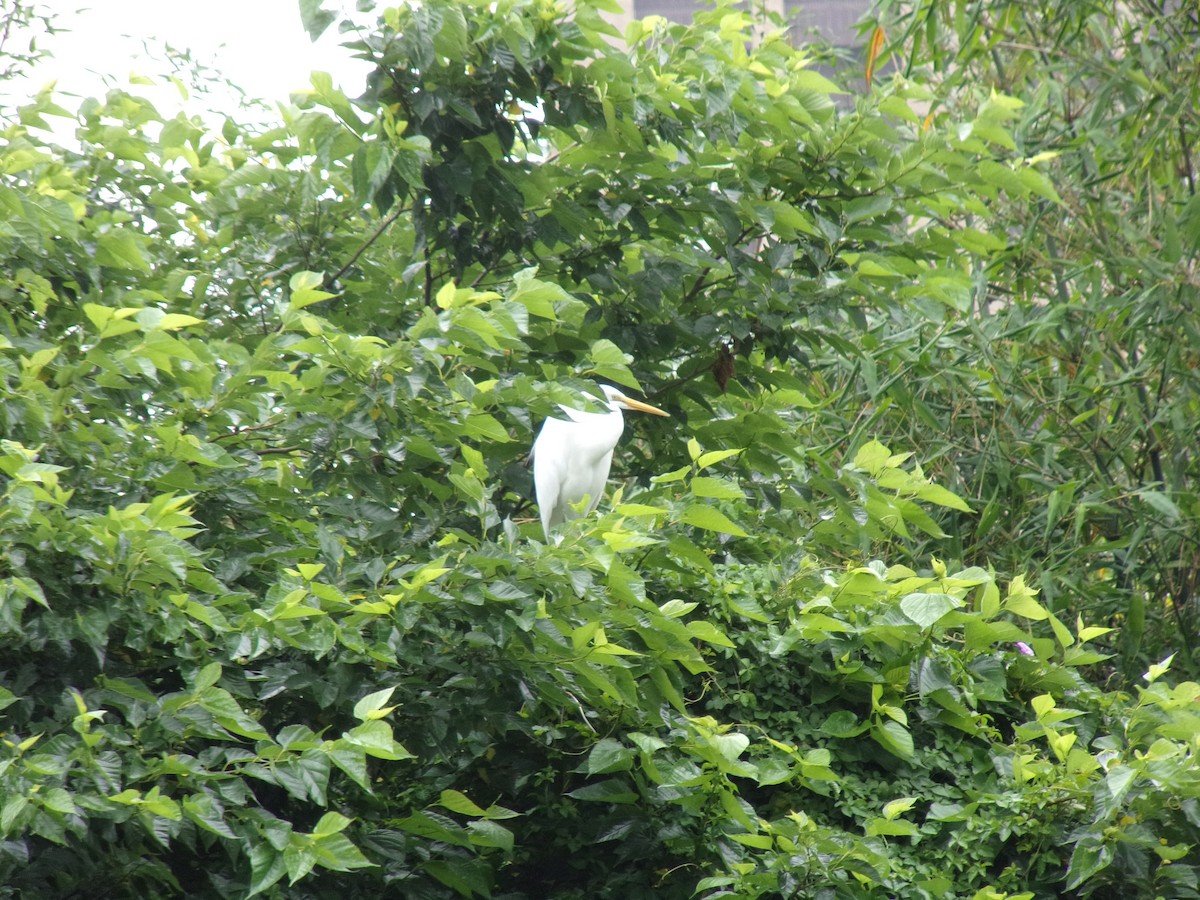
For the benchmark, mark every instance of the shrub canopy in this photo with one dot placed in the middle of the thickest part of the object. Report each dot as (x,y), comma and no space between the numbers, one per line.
(887,608)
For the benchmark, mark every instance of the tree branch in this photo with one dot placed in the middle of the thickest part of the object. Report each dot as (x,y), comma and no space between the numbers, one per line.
(329,282)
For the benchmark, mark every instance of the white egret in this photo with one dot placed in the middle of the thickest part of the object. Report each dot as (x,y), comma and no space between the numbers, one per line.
(571,458)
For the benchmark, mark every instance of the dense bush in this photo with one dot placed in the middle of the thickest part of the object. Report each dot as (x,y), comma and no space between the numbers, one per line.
(278,619)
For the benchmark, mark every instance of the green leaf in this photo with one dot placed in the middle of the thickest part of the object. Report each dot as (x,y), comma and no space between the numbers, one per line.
(894,808)
(712,457)
(608,755)
(539,297)
(872,457)
(1025,606)
(1161,503)
(731,745)
(710,519)
(467,877)
(372,705)
(482,426)
(154,318)
(300,857)
(808,79)
(927,609)
(375,738)
(305,290)
(891,828)
(458,802)
(669,477)
(491,834)
(1089,857)
(12,810)
(120,250)
(450,40)
(337,853)
(352,760)
(638,509)
(866,207)
(267,866)
(717,488)
(331,823)
(206,812)
(447,296)
(207,677)
(935,493)
(608,791)
(610,362)
(843,724)
(314,18)
(309,571)
(706,631)
(894,738)
(997,135)
(228,714)
(434,827)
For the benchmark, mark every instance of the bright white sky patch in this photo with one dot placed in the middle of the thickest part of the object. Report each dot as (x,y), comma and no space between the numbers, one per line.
(257,45)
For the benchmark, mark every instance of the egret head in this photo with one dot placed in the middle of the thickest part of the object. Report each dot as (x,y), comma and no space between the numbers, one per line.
(617,400)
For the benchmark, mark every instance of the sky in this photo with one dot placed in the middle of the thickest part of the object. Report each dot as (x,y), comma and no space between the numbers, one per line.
(258,45)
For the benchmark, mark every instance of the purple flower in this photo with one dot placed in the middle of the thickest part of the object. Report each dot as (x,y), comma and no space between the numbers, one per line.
(1024,648)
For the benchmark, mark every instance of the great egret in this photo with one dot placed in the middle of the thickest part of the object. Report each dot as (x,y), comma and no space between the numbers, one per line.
(571,459)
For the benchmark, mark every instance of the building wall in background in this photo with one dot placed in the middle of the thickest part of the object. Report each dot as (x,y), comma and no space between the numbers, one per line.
(833,19)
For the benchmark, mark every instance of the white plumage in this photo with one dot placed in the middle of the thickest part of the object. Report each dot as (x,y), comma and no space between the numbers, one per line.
(571,457)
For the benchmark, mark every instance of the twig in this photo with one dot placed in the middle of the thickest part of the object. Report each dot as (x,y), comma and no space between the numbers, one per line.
(329,282)
(239,431)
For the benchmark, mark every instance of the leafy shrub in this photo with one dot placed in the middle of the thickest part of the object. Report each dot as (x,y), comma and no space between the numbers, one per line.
(278,620)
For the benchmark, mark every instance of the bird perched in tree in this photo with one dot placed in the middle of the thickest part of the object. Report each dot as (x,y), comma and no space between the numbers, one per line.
(571,457)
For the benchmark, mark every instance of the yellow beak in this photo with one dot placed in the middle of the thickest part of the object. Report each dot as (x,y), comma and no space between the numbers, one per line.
(640,406)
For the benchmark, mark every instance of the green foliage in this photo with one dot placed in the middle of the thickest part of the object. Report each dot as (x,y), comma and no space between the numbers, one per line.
(1080,389)
(278,620)
(21,24)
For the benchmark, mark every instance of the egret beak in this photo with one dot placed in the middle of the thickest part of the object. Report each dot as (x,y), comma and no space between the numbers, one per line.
(640,406)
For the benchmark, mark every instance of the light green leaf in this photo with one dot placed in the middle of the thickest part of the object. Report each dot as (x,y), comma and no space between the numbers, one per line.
(811,80)
(730,745)
(706,631)
(375,737)
(372,706)
(717,488)
(927,609)
(154,318)
(674,609)
(890,828)
(635,510)
(872,457)
(305,290)
(120,250)
(712,457)
(710,519)
(458,802)
(1025,606)
(935,493)
(331,823)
